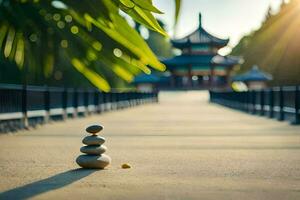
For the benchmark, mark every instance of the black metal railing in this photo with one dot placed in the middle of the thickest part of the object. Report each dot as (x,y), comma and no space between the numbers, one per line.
(30,105)
(282,103)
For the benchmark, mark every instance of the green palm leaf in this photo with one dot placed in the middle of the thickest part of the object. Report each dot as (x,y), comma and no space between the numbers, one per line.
(41,34)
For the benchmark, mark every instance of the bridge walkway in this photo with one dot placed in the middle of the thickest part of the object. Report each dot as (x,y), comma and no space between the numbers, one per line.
(181,148)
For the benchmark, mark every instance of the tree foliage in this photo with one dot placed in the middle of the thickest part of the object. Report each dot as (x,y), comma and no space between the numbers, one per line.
(275,46)
(160,45)
(91,35)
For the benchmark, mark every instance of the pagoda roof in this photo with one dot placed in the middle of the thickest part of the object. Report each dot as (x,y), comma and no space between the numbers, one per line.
(153,78)
(253,75)
(227,60)
(200,37)
(185,60)
(146,78)
(208,59)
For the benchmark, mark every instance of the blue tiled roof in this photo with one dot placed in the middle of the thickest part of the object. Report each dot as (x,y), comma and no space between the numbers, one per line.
(185,60)
(146,78)
(227,60)
(207,60)
(253,75)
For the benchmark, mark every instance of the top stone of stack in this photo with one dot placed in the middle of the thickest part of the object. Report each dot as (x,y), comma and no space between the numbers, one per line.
(94,129)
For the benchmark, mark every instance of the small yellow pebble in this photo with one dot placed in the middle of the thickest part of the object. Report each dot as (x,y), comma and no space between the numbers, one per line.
(126,166)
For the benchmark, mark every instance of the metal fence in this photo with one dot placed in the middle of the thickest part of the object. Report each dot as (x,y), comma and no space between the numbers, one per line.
(282,103)
(25,106)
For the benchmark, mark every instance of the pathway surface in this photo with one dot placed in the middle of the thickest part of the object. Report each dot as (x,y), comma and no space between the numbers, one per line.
(181,148)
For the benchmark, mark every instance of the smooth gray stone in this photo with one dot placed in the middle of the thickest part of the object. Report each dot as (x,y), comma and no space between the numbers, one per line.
(93,149)
(93,162)
(95,128)
(93,140)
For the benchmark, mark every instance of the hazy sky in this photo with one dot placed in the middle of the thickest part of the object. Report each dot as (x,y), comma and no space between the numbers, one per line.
(224,18)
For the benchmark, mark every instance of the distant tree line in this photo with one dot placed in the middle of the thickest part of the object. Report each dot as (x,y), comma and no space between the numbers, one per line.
(275,47)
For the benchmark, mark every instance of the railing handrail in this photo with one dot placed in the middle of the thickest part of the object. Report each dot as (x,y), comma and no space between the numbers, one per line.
(44,87)
(43,101)
(282,101)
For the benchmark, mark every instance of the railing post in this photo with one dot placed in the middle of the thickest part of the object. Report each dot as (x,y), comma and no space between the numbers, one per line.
(86,101)
(125,97)
(129,97)
(271,103)
(133,99)
(297,106)
(253,102)
(281,104)
(101,101)
(96,101)
(47,104)
(117,100)
(106,101)
(112,101)
(249,101)
(75,103)
(24,106)
(245,101)
(262,102)
(140,95)
(65,103)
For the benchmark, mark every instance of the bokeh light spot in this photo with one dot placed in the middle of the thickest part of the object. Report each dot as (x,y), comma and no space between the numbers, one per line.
(68,18)
(64,44)
(33,37)
(61,24)
(96,45)
(74,29)
(56,17)
(117,52)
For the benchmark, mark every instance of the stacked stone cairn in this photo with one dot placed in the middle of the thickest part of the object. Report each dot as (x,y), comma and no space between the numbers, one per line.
(93,157)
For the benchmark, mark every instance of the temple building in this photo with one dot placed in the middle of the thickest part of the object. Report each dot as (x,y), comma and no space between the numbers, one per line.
(200,66)
(254,78)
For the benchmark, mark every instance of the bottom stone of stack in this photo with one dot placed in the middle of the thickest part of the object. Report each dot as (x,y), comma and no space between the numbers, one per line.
(93,161)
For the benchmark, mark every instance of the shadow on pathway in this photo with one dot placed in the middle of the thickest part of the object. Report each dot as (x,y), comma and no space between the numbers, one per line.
(45,185)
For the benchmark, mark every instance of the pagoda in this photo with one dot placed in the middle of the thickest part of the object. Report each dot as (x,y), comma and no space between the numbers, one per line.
(199,65)
(254,78)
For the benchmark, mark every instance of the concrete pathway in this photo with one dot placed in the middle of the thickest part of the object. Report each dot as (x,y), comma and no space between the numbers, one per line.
(181,148)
